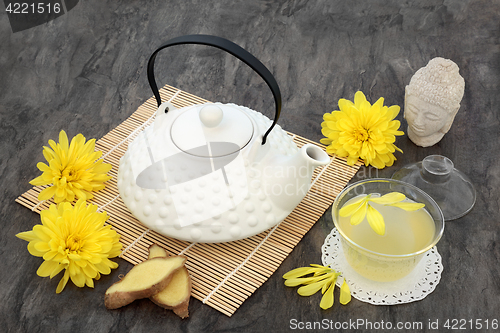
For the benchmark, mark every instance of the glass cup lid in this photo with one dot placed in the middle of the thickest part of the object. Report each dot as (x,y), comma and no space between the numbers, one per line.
(450,188)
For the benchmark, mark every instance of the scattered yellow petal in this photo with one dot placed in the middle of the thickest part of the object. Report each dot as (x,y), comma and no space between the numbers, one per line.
(323,278)
(327,299)
(310,289)
(294,282)
(345,293)
(297,272)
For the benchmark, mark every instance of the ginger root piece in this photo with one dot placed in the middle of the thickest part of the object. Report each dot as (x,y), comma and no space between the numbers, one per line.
(143,280)
(156,251)
(177,293)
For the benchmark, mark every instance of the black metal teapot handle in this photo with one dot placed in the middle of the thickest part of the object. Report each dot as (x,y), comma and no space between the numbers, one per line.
(231,48)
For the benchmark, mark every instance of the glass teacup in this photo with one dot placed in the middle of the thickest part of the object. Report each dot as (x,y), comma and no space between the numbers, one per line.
(378,258)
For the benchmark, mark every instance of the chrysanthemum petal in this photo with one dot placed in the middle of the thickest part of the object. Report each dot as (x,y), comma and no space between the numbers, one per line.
(47,193)
(33,251)
(393,111)
(345,104)
(353,206)
(359,215)
(389,198)
(294,282)
(359,98)
(40,180)
(89,282)
(329,117)
(46,268)
(42,233)
(409,206)
(351,160)
(42,246)
(103,268)
(310,289)
(376,220)
(48,153)
(26,235)
(63,282)
(345,293)
(325,141)
(298,272)
(327,299)
(60,193)
(78,279)
(53,255)
(90,271)
(63,140)
(57,270)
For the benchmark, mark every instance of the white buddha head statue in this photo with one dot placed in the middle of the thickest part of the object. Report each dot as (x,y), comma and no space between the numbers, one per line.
(432,100)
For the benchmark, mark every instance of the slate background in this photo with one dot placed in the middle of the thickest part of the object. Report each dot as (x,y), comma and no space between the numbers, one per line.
(84,72)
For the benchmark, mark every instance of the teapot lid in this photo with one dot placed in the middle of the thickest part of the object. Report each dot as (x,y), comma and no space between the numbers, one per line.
(212,130)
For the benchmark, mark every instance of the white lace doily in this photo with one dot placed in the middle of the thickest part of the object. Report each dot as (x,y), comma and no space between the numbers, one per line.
(413,287)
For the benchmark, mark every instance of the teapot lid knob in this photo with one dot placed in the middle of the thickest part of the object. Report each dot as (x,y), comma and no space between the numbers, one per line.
(211,115)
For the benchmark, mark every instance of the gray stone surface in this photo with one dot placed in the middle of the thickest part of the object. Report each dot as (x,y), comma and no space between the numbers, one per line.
(85,73)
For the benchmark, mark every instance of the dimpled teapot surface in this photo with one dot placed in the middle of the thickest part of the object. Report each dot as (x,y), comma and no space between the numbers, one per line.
(215,172)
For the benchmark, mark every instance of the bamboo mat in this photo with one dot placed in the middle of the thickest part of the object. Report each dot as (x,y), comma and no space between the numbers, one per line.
(224,275)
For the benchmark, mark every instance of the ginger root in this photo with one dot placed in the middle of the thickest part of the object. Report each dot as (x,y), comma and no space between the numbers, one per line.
(143,280)
(175,296)
(156,251)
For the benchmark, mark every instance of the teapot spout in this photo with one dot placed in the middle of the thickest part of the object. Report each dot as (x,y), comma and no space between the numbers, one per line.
(290,177)
(313,156)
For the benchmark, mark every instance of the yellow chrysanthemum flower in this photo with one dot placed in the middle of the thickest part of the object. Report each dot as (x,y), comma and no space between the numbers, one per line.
(74,239)
(361,130)
(73,170)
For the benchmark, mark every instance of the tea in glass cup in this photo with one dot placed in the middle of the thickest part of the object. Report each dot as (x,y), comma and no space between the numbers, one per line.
(408,234)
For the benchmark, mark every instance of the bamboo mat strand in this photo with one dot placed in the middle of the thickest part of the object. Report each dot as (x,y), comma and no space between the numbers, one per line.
(223,275)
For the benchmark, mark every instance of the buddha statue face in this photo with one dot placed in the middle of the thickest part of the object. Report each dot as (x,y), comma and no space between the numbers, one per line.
(427,122)
(432,99)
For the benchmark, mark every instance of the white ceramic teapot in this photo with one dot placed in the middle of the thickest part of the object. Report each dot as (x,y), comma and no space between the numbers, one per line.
(215,172)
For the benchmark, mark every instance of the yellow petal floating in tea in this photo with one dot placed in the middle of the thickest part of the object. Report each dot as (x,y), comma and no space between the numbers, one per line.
(353,206)
(389,198)
(376,220)
(360,208)
(359,215)
(409,206)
